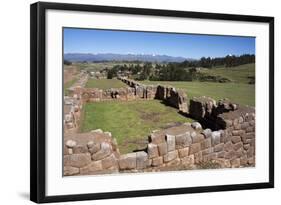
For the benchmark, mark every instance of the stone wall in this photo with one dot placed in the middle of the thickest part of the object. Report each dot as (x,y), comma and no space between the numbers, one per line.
(187,146)
(174,97)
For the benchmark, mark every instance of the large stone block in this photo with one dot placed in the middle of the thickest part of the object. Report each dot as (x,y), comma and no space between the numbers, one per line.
(206,143)
(80,149)
(228,146)
(142,160)
(157,161)
(198,157)
(93,167)
(230,155)
(77,160)
(128,161)
(183,152)
(207,133)
(174,162)
(235,163)
(183,140)
(219,147)
(152,150)
(194,148)
(215,137)
(156,138)
(235,139)
(109,161)
(238,146)
(105,150)
(68,170)
(170,156)
(162,148)
(209,157)
(189,160)
(207,151)
(70,143)
(171,142)
(197,137)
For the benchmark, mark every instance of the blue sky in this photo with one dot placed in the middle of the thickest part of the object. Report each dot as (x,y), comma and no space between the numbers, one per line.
(184,45)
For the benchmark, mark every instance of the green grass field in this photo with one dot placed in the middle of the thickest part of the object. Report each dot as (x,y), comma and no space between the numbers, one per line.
(237,74)
(130,122)
(238,91)
(105,83)
(241,93)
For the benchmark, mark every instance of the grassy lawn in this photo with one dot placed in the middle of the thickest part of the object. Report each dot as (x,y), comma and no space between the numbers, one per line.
(105,83)
(237,92)
(237,74)
(129,122)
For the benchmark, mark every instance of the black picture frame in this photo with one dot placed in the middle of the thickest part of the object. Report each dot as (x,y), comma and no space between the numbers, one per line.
(38,101)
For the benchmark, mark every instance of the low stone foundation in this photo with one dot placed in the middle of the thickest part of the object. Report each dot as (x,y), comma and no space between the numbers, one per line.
(187,146)
(223,136)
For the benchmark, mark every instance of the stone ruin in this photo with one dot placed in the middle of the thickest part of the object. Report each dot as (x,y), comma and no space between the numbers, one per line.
(176,148)
(230,143)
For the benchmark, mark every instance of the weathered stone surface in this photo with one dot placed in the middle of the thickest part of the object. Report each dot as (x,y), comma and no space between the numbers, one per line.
(251,160)
(244,125)
(196,125)
(221,154)
(156,139)
(157,161)
(170,156)
(128,161)
(109,161)
(215,137)
(207,133)
(219,147)
(208,151)
(95,147)
(235,139)
(250,152)
(235,163)
(250,129)
(152,150)
(228,146)
(206,143)
(183,152)
(94,166)
(229,155)
(246,146)
(162,148)
(105,151)
(70,143)
(197,137)
(65,150)
(68,170)
(239,152)
(237,145)
(198,157)
(80,149)
(183,140)
(209,157)
(171,142)
(77,160)
(194,148)
(189,160)
(174,162)
(142,160)
(70,151)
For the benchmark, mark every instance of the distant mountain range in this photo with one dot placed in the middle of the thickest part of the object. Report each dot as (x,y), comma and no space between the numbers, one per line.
(74,57)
